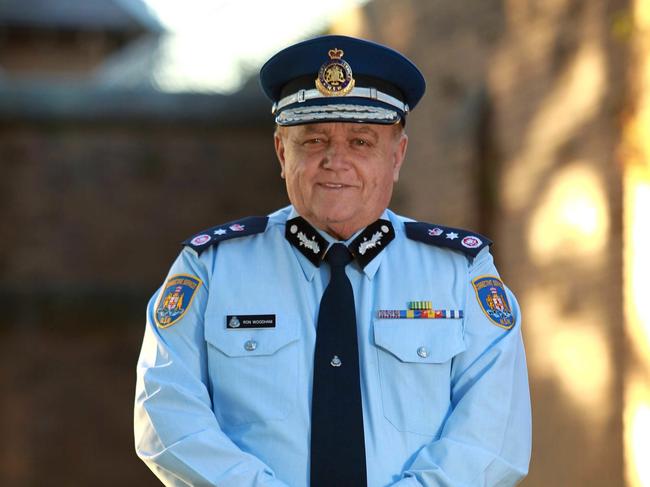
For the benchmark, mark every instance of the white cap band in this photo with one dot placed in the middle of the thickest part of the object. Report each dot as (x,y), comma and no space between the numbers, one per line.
(371,93)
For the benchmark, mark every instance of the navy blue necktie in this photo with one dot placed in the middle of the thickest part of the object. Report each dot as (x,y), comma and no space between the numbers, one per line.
(338,455)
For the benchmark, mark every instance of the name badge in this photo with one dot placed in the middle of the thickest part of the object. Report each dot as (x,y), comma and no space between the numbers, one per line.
(246,322)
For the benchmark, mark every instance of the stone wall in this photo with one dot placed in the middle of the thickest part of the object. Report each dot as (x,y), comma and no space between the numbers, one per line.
(92,219)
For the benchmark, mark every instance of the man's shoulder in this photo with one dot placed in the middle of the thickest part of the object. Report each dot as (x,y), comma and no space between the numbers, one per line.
(243,227)
(235,229)
(466,241)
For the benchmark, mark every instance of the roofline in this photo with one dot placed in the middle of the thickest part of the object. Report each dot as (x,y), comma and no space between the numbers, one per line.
(143,18)
(45,101)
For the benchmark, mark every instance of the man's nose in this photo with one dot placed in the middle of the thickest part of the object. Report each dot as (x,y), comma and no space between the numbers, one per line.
(336,156)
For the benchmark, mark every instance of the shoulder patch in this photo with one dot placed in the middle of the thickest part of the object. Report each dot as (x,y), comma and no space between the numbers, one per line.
(175,299)
(234,229)
(492,298)
(464,241)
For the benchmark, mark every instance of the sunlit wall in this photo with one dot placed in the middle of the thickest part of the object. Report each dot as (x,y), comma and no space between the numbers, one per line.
(637,259)
(557,84)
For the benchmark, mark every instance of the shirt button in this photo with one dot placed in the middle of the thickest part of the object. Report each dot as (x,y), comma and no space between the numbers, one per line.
(423,352)
(250,345)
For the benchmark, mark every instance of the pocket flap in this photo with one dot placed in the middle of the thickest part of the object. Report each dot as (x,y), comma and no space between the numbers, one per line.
(420,341)
(248,342)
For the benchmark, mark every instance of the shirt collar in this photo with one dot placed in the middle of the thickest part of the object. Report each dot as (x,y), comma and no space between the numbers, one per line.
(310,244)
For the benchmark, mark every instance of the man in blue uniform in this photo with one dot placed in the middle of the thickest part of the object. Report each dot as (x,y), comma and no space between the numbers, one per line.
(333,342)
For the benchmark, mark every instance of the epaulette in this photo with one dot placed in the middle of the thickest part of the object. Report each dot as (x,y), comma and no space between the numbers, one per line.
(464,241)
(235,229)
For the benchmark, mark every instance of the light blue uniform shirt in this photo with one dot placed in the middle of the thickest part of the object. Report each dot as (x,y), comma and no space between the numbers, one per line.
(211,409)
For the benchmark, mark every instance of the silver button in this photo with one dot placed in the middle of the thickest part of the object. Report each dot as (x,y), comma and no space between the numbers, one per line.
(250,345)
(423,352)
(336,361)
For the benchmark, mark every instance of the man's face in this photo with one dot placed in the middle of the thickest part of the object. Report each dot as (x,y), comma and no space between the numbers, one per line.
(340,176)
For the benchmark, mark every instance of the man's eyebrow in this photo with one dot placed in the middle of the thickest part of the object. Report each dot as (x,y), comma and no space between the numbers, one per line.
(311,129)
(365,130)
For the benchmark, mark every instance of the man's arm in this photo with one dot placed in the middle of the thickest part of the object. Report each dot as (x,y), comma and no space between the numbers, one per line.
(176,432)
(486,438)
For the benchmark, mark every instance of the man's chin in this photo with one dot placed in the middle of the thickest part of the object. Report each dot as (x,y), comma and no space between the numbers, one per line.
(342,227)
(332,219)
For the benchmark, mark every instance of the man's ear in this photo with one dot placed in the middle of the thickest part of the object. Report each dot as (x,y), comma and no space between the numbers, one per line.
(400,155)
(279,150)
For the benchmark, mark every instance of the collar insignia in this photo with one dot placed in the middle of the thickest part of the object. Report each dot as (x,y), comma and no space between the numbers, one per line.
(335,76)
(306,239)
(371,241)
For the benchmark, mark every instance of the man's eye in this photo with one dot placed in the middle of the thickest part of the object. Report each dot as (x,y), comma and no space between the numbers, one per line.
(315,140)
(360,142)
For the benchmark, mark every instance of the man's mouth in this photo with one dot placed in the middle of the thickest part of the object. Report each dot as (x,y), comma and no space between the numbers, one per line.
(334,185)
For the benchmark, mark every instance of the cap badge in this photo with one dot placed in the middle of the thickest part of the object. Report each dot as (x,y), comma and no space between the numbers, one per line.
(335,76)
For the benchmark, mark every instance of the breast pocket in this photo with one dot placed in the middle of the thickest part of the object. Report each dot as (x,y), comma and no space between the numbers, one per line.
(253,372)
(414,359)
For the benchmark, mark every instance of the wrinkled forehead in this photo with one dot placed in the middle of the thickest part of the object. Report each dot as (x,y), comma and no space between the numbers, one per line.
(354,128)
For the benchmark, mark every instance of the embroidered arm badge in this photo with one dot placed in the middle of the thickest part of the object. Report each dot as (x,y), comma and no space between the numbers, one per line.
(175,299)
(492,298)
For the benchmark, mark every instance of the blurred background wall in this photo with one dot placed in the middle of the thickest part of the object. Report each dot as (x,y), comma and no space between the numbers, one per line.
(126,126)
